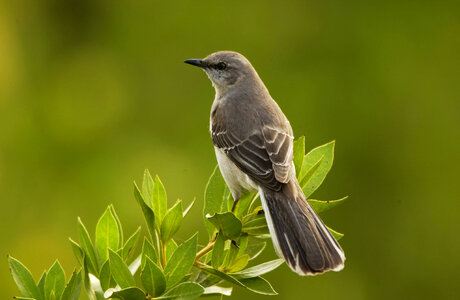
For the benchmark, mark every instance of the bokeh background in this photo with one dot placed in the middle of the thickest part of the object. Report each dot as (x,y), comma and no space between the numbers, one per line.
(93,92)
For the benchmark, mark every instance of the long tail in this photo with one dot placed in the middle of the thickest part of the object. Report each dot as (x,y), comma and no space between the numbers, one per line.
(298,233)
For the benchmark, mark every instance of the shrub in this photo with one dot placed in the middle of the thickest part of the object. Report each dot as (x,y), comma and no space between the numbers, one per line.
(114,267)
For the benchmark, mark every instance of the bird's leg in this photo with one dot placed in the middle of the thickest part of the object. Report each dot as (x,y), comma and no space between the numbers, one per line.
(235,202)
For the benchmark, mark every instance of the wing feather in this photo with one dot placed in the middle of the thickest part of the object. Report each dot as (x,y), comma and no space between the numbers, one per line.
(265,156)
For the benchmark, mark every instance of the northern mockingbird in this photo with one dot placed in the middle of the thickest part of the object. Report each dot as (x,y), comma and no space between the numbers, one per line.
(253,141)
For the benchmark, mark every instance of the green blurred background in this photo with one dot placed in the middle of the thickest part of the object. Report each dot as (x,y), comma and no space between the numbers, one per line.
(92,92)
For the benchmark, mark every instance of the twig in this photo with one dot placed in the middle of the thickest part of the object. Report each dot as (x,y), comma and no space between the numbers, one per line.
(206,248)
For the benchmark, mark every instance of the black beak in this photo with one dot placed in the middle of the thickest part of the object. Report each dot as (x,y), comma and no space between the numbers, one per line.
(195,62)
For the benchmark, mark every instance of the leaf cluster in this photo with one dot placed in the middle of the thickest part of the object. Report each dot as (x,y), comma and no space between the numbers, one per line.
(115,267)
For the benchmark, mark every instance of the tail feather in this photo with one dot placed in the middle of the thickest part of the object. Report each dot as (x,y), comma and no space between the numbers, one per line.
(298,233)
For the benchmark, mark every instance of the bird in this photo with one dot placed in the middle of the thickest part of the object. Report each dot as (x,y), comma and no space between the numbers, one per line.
(253,142)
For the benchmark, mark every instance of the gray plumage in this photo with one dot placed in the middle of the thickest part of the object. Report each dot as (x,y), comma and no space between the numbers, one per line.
(253,142)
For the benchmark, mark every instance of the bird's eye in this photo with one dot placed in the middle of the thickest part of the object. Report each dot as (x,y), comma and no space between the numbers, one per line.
(221,66)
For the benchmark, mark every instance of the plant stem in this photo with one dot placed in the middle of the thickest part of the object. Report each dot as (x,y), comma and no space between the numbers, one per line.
(199,264)
(207,248)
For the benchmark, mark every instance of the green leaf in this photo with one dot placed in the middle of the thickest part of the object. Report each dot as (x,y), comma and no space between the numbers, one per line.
(23,279)
(215,289)
(256,211)
(243,205)
(159,201)
(257,284)
(230,201)
(55,281)
(309,173)
(73,288)
(335,234)
(131,293)
(325,153)
(320,206)
(230,255)
(22,298)
(181,261)
(148,251)
(107,235)
(105,277)
(188,208)
(78,252)
(255,247)
(299,153)
(149,216)
(239,264)
(255,203)
(92,285)
(256,226)
(218,251)
(242,244)
(41,285)
(171,222)
(204,279)
(88,248)
(120,271)
(147,188)
(86,283)
(120,229)
(153,279)
(222,275)
(229,225)
(259,269)
(216,197)
(184,291)
(130,244)
(170,248)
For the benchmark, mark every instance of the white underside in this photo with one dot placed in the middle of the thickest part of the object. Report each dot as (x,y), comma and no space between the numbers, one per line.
(237,181)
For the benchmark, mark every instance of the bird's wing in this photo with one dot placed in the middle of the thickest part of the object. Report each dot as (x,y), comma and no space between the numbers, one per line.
(279,146)
(265,155)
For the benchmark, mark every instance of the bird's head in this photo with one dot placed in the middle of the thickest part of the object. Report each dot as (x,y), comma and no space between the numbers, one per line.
(225,69)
